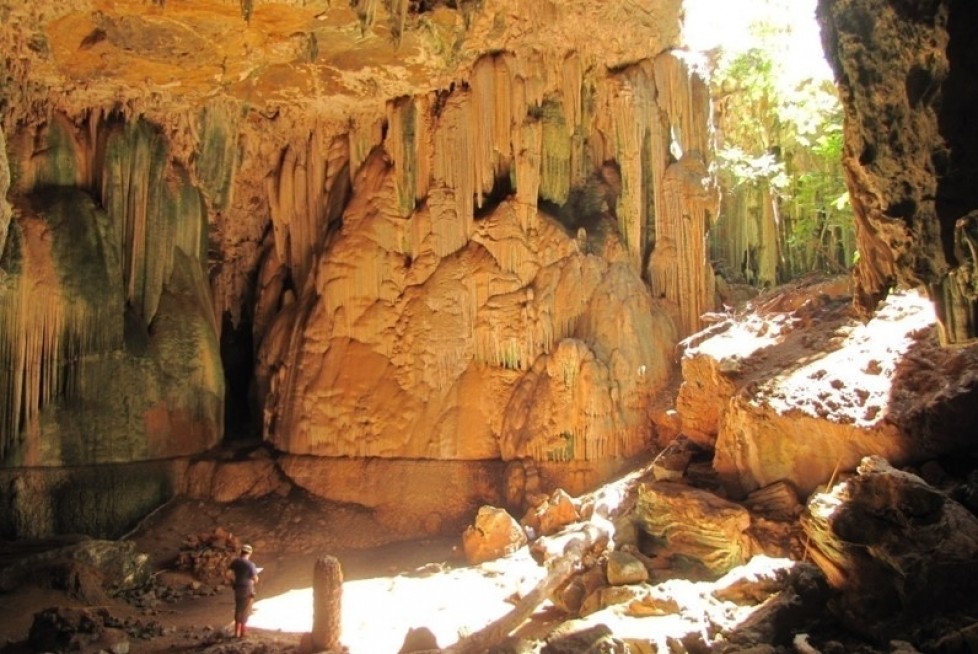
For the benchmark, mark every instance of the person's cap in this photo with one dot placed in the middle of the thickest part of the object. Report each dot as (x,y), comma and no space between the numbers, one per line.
(246,548)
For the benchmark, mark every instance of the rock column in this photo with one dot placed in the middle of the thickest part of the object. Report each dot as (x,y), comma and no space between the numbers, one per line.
(327,592)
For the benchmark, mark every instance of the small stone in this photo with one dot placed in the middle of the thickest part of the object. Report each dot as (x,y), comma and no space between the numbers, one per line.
(624,569)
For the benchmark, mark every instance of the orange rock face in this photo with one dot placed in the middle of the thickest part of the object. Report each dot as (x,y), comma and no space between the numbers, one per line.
(468,234)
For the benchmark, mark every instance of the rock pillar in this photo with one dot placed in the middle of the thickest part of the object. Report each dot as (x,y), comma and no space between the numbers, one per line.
(327,593)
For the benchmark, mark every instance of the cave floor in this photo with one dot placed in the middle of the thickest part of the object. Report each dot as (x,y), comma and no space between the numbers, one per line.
(389,585)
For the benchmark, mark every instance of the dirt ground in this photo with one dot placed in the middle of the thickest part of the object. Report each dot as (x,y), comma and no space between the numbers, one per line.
(288,534)
(390,586)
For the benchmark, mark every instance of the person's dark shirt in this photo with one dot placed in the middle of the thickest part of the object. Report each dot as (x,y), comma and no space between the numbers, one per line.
(245,573)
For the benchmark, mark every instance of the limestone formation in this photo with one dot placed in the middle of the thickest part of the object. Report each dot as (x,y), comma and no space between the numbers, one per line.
(906,86)
(92,313)
(437,224)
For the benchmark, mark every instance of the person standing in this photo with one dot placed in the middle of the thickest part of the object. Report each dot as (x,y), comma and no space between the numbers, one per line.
(245,577)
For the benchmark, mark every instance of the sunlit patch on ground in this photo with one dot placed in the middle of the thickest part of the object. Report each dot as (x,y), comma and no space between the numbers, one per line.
(699,612)
(456,602)
(378,612)
(852,382)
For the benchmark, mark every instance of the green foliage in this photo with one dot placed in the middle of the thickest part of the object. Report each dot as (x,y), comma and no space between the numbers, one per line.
(780,137)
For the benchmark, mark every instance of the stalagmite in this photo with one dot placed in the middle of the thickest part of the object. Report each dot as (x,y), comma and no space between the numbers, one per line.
(327,596)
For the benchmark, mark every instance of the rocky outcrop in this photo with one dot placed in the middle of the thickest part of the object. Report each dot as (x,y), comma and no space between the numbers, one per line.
(692,525)
(907,80)
(897,548)
(794,389)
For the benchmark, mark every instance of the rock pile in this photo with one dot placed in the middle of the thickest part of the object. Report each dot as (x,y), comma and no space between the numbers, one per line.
(662,549)
(207,556)
(87,630)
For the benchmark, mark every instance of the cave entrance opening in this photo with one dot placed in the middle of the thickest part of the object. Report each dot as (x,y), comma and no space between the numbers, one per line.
(784,209)
(241,415)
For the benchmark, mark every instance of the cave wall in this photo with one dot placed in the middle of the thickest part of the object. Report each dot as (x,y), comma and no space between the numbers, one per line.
(908,77)
(109,344)
(442,322)
(469,235)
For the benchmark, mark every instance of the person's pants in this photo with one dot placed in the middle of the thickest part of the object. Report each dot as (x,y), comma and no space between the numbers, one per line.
(243,600)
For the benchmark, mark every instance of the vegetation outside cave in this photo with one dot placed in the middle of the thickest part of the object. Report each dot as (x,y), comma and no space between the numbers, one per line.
(785,208)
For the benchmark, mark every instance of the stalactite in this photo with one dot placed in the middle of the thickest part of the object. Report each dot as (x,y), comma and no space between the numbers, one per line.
(491,122)
(403,133)
(688,199)
(306,195)
(529,161)
(366,12)
(571,79)
(56,309)
(555,173)
(49,155)
(364,133)
(145,201)
(453,177)
(684,97)
(630,121)
(217,152)
(5,212)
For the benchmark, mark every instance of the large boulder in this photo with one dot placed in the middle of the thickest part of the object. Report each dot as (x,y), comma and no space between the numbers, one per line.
(494,534)
(551,514)
(692,527)
(797,388)
(895,547)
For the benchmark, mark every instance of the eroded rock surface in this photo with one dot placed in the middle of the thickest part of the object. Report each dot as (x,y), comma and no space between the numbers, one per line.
(898,548)
(436,231)
(689,524)
(907,78)
(796,389)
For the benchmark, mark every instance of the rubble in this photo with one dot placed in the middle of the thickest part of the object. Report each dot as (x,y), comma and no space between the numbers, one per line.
(209,555)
